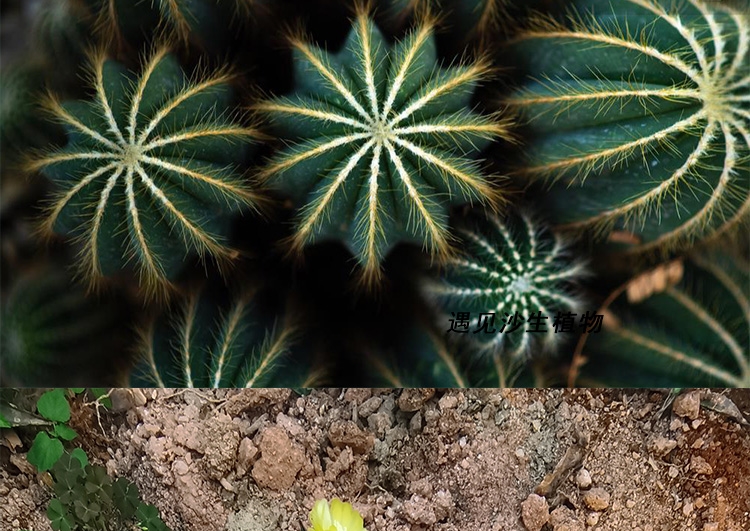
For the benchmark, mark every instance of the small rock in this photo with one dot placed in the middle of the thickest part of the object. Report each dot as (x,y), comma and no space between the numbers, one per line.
(688,508)
(225,483)
(280,460)
(245,456)
(448,401)
(700,466)
(370,406)
(412,399)
(688,405)
(415,423)
(564,519)
(535,512)
(661,446)
(712,526)
(592,519)
(597,499)
(347,433)
(583,479)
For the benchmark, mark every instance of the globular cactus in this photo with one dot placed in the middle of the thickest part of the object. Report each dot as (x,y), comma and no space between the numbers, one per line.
(517,270)
(53,334)
(464,21)
(204,23)
(421,356)
(22,123)
(209,343)
(676,326)
(384,141)
(150,171)
(640,118)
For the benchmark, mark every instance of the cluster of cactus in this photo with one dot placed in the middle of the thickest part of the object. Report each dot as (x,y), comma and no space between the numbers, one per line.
(610,133)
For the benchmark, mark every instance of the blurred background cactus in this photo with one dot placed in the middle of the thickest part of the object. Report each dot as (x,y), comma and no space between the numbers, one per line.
(563,158)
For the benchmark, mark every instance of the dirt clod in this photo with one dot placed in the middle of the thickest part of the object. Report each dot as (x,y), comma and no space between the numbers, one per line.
(534,512)
(688,405)
(597,499)
(280,460)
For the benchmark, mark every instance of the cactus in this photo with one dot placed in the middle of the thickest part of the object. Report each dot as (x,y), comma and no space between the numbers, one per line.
(22,124)
(53,334)
(464,20)
(149,172)
(208,343)
(513,269)
(384,143)
(200,22)
(420,356)
(641,117)
(688,329)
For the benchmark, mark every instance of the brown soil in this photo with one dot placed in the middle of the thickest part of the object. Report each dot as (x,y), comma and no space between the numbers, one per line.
(417,460)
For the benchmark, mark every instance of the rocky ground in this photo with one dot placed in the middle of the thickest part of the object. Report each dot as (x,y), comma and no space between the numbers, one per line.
(419,460)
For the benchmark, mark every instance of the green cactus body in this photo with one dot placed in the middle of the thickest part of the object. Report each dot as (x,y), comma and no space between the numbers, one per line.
(52,334)
(208,343)
(465,20)
(421,357)
(149,172)
(515,270)
(640,111)
(690,334)
(22,124)
(384,143)
(200,22)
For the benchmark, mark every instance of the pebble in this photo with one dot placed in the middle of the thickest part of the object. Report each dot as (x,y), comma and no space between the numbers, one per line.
(688,405)
(592,519)
(411,400)
(583,479)
(597,499)
(700,466)
(661,446)
(534,512)
(712,526)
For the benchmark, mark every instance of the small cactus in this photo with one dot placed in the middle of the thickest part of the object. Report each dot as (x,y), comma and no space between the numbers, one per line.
(676,326)
(149,172)
(201,22)
(384,143)
(207,343)
(641,116)
(516,270)
(53,334)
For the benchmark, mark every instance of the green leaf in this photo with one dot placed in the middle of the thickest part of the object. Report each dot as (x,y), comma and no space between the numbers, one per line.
(44,452)
(58,516)
(53,405)
(4,422)
(77,390)
(81,456)
(148,516)
(126,497)
(64,432)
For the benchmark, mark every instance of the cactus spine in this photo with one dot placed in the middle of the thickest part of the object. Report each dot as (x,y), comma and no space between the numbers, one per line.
(643,118)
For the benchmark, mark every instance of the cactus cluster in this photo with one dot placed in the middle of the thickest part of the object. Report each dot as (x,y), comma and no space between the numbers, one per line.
(474,157)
